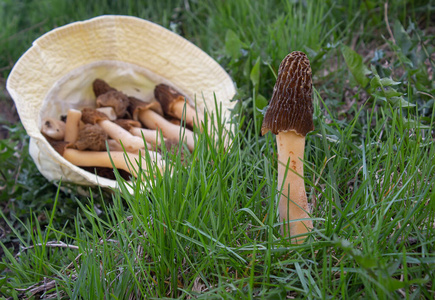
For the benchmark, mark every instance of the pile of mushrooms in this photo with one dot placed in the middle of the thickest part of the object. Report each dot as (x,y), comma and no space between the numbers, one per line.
(125,126)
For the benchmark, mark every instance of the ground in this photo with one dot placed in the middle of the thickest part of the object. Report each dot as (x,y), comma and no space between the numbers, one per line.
(8,112)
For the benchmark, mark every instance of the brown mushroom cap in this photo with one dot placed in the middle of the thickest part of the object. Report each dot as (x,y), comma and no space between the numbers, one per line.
(92,116)
(91,137)
(166,95)
(53,128)
(58,146)
(101,87)
(115,99)
(137,105)
(291,106)
(127,124)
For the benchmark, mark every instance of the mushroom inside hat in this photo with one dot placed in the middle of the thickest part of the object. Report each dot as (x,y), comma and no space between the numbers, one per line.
(53,128)
(100,87)
(150,115)
(134,127)
(91,137)
(115,99)
(290,118)
(130,142)
(175,105)
(121,160)
(72,125)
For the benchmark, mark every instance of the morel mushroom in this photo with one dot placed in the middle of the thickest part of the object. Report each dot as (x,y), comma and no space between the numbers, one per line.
(134,127)
(290,117)
(131,143)
(115,99)
(91,137)
(109,112)
(100,87)
(175,105)
(72,125)
(103,159)
(53,128)
(150,115)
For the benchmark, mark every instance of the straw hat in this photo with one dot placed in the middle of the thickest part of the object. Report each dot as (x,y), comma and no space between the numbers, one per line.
(131,54)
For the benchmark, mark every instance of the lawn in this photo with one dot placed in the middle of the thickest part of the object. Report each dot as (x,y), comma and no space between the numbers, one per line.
(211,230)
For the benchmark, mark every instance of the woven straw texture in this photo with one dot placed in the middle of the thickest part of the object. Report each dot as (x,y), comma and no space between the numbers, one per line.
(131,54)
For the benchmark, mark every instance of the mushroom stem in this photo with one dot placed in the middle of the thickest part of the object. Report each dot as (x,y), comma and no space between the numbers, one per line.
(108,111)
(175,105)
(116,146)
(152,136)
(153,120)
(130,142)
(120,159)
(293,204)
(185,112)
(72,125)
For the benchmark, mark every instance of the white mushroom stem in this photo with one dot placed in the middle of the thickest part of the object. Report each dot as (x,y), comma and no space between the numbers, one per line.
(150,135)
(108,111)
(185,112)
(293,203)
(114,145)
(72,125)
(153,120)
(127,162)
(130,142)
(53,128)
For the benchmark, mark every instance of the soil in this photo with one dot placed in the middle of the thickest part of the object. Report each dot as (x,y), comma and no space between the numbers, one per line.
(8,111)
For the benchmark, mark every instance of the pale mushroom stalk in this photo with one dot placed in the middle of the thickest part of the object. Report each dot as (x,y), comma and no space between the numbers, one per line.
(291,148)
(174,104)
(72,125)
(100,159)
(130,142)
(134,127)
(113,145)
(121,160)
(155,121)
(150,115)
(189,114)
(108,111)
(150,135)
(290,118)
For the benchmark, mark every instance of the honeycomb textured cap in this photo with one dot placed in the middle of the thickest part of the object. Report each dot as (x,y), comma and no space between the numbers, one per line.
(291,106)
(92,116)
(167,95)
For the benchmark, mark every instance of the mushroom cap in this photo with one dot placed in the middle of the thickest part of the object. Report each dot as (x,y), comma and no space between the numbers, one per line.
(53,128)
(115,99)
(137,105)
(166,96)
(91,137)
(92,116)
(291,106)
(127,124)
(100,87)
(59,146)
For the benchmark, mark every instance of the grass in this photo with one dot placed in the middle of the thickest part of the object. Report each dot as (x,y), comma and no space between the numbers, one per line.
(210,230)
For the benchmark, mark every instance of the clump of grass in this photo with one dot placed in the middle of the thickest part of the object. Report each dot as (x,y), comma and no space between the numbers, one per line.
(207,226)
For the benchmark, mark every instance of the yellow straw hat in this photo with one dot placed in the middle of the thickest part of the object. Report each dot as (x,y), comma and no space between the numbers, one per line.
(131,54)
